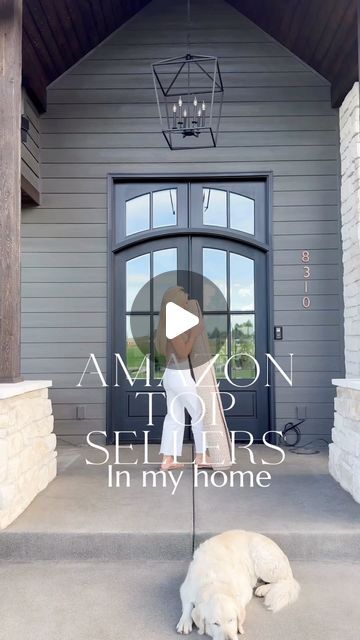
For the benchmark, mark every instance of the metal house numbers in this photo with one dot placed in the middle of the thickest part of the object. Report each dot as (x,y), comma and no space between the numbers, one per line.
(305,259)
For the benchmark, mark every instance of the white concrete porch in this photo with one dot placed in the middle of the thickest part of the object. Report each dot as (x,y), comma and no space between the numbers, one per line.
(78,516)
(90,551)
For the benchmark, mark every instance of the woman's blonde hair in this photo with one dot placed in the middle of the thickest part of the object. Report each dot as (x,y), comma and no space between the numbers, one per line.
(173,294)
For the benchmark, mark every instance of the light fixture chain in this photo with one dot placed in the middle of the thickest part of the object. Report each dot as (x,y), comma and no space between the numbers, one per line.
(188,27)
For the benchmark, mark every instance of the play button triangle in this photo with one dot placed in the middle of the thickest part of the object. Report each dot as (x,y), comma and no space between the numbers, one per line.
(178,320)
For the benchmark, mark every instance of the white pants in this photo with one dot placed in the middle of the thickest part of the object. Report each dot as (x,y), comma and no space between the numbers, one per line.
(181,394)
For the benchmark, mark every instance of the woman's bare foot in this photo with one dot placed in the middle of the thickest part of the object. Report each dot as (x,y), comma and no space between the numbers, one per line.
(169,463)
(203,461)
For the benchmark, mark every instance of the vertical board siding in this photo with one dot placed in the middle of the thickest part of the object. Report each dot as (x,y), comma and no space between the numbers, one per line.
(102,118)
(30,150)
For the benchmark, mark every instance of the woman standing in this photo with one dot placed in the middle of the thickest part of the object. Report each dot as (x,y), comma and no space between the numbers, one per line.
(180,388)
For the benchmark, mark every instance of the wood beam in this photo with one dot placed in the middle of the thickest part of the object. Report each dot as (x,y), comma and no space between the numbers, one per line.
(358,38)
(10,211)
(29,194)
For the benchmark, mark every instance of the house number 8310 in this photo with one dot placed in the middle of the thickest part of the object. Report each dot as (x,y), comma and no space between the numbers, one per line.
(305,259)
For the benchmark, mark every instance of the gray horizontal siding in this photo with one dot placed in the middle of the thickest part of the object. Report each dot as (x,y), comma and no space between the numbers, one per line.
(63,320)
(102,119)
(151,140)
(232,95)
(281,168)
(320,256)
(97,185)
(296,286)
(280,107)
(57,126)
(278,64)
(245,154)
(63,365)
(232,80)
(65,304)
(46,348)
(159,51)
(242,33)
(64,274)
(303,318)
(67,260)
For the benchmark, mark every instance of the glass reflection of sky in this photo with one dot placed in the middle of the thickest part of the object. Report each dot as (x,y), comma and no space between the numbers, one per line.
(242,213)
(214,207)
(164,261)
(137,274)
(214,268)
(137,214)
(164,208)
(241,283)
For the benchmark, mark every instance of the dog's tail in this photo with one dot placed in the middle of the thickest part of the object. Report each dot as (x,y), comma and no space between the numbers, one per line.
(282,593)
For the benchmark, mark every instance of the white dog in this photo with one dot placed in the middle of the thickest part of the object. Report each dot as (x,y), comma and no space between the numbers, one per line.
(221,578)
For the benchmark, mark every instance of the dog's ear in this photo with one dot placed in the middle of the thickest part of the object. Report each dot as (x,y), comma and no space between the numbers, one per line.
(198,616)
(241,614)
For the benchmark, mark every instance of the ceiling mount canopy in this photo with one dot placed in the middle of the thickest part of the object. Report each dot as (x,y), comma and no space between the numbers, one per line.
(189,94)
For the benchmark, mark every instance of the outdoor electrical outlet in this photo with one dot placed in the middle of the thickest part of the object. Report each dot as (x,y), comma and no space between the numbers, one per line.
(80,412)
(301,412)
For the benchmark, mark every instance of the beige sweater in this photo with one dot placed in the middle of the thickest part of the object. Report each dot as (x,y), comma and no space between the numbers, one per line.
(214,418)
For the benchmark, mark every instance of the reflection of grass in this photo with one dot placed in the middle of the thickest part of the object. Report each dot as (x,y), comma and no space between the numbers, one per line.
(221,360)
(159,366)
(241,367)
(243,341)
(135,356)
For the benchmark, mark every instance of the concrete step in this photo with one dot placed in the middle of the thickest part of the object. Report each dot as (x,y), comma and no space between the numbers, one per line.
(140,599)
(43,546)
(78,517)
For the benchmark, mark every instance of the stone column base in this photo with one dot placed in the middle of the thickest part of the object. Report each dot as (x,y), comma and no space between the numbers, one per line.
(27,445)
(344,451)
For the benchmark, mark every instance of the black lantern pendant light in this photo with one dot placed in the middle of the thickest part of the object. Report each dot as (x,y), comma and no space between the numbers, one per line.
(189,94)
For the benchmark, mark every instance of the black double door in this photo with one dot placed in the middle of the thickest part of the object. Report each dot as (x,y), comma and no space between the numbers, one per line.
(235,266)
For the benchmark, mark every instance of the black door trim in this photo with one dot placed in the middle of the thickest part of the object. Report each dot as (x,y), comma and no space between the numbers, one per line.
(217,232)
(112,179)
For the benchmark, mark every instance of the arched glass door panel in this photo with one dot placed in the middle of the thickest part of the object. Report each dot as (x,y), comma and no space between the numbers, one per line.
(234,206)
(240,273)
(145,207)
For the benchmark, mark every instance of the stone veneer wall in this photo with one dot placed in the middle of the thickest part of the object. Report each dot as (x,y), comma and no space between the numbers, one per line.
(344,452)
(350,227)
(27,450)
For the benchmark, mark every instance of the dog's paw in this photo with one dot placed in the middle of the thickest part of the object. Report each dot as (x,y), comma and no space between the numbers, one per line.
(261,591)
(184,625)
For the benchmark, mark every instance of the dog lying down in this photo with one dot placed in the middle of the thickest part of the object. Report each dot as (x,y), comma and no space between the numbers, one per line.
(220,581)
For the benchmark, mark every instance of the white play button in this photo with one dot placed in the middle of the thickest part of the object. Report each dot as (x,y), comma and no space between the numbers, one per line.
(178,320)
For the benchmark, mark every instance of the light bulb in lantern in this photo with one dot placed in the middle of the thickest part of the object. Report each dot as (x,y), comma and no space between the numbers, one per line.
(180,110)
(203,109)
(185,117)
(195,109)
(174,115)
